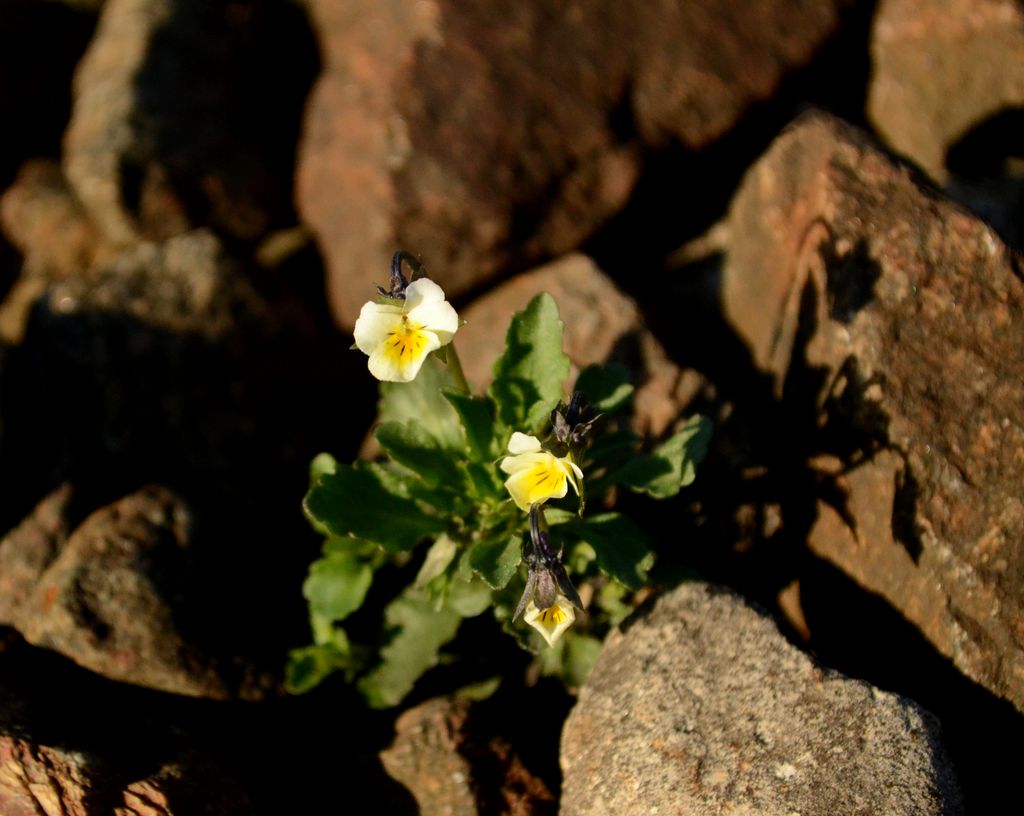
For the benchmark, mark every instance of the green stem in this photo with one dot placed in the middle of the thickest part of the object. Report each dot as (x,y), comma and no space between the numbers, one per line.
(455,366)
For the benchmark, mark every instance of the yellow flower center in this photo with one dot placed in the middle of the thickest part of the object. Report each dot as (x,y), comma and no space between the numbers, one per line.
(544,480)
(553,615)
(406,343)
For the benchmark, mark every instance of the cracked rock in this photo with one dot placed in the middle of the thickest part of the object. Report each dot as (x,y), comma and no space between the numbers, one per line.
(902,316)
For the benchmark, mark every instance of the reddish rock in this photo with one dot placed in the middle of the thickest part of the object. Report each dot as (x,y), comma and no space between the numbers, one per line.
(425,759)
(486,140)
(846,266)
(42,218)
(942,67)
(186,113)
(453,770)
(37,778)
(601,324)
(109,596)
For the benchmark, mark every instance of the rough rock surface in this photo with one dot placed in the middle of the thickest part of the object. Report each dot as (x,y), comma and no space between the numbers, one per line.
(941,68)
(108,596)
(601,324)
(142,150)
(909,314)
(451,770)
(485,140)
(702,707)
(50,779)
(425,758)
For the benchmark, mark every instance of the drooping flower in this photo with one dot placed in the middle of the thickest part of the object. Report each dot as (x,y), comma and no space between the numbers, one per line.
(549,597)
(536,475)
(553,621)
(398,336)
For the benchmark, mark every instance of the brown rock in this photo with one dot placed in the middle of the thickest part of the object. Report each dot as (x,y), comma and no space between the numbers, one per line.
(39,779)
(484,140)
(941,67)
(41,216)
(185,114)
(108,598)
(452,769)
(601,324)
(43,219)
(846,265)
(424,757)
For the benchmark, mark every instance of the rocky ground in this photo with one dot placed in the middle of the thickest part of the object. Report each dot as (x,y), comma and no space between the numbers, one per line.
(801,219)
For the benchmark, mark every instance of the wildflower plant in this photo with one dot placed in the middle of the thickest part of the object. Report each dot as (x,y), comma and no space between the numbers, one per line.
(480,503)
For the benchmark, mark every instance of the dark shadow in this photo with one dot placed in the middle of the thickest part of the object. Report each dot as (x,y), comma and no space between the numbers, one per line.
(228,421)
(218,111)
(985,149)
(849,279)
(986,166)
(40,45)
(294,755)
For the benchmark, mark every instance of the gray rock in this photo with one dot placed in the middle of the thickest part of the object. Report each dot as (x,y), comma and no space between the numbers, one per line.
(702,707)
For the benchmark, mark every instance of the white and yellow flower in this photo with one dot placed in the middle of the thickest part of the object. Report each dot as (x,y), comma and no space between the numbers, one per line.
(553,621)
(398,338)
(536,475)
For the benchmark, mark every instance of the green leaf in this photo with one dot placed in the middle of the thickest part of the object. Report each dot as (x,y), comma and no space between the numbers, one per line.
(336,586)
(478,692)
(606,387)
(420,632)
(439,556)
(528,376)
(486,480)
(423,401)
(355,501)
(670,466)
(477,417)
(622,547)
(496,559)
(309,666)
(322,463)
(411,445)
(468,598)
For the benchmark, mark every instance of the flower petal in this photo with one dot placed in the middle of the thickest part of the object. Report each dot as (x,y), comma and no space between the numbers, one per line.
(523,443)
(422,291)
(375,322)
(400,356)
(553,621)
(574,473)
(440,318)
(523,461)
(536,477)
